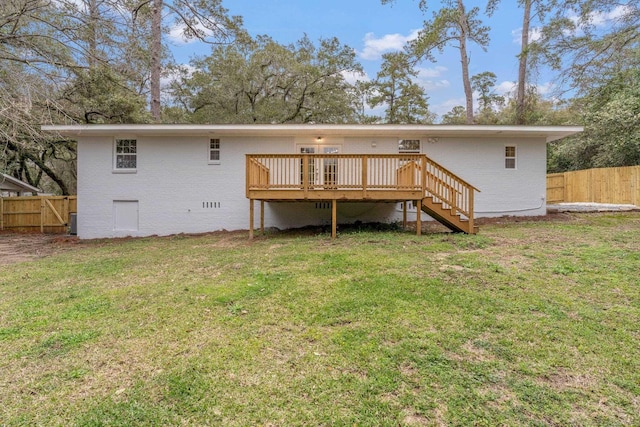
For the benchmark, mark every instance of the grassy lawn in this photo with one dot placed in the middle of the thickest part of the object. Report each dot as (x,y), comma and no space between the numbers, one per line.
(531,323)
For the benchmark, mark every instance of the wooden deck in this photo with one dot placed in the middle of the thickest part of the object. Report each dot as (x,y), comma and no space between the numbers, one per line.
(361,178)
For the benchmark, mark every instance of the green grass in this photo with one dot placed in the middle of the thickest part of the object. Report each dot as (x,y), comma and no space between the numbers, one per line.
(524,324)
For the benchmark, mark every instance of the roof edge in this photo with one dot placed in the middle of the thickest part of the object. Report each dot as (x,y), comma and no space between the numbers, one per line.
(18,183)
(551,133)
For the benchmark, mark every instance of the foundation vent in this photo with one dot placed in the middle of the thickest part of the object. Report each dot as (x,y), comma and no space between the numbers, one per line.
(323,205)
(411,206)
(211,205)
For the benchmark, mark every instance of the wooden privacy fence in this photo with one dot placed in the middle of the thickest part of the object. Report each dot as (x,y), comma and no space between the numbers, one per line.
(44,214)
(604,185)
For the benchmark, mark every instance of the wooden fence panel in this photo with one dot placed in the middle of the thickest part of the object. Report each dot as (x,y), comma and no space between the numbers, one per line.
(604,185)
(43,214)
(555,188)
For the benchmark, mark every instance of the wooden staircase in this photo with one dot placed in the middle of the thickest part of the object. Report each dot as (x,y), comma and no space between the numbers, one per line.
(448,199)
(447,217)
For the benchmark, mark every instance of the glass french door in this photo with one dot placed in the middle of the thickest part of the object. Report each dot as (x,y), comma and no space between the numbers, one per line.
(322,172)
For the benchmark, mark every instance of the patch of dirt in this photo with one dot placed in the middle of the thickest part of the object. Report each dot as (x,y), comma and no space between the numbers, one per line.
(415,420)
(550,217)
(26,247)
(428,227)
(563,380)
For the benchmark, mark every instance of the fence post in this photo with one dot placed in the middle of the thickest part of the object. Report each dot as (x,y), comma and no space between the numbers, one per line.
(42,214)
(1,213)
(65,214)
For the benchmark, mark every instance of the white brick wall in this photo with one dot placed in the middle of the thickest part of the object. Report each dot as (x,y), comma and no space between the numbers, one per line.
(174,179)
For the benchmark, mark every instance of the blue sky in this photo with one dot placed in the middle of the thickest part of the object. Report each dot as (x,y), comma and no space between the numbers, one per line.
(373,29)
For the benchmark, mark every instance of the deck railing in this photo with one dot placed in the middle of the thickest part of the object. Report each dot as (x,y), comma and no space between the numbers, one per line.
(365,174)
(444,186)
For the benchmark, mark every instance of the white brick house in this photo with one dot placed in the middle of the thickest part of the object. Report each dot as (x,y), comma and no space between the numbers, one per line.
(140,180)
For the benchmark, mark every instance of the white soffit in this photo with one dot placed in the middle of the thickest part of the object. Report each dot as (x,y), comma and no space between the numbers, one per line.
(550,133)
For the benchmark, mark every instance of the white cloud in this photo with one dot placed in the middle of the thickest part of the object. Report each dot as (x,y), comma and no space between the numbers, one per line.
(446,106)
(545,88)
(430,73)
(177,36)
(81,5)
(353,76)
(508,88)
(535,34)
(428,78)
(505,88)
(596,19)
(601,19)
(432,85)
(171,76)
(375,47)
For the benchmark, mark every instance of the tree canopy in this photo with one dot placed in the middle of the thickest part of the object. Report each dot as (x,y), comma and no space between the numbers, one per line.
(262,81)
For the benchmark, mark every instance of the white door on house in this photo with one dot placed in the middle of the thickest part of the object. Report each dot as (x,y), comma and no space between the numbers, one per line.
(322,172)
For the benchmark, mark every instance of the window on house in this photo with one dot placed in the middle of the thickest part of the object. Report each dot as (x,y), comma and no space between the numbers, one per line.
(510,157)
(126,154)
(214,150)
(409,146)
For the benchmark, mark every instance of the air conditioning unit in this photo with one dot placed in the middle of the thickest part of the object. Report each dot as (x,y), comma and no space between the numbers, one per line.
(73,218)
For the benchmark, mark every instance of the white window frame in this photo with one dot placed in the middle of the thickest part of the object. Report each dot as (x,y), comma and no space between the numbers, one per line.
(514,158)
(406,151)
(211,151)
(116,154)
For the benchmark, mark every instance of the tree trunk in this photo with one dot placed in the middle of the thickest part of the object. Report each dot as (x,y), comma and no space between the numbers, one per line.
(522,68)
(94,15)
(464,60)
(156,58)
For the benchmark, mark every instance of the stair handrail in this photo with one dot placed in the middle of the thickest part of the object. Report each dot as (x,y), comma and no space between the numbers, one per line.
(448,172)
(449,198)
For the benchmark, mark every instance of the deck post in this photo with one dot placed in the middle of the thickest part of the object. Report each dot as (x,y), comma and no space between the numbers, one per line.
(418,217)
(423,175)
(250,218)
(334,217)
(404,214)
(471,213)
(247,175)
(262,217)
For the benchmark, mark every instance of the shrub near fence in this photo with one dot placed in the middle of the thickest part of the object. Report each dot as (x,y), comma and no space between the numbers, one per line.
(606,185)
(44,214)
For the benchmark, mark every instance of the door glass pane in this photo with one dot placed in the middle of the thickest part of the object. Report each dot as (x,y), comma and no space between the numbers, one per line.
(330,167)
(322,171)
(312,170)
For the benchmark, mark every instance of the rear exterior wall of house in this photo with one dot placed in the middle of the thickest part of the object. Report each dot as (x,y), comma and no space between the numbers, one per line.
(175,187)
